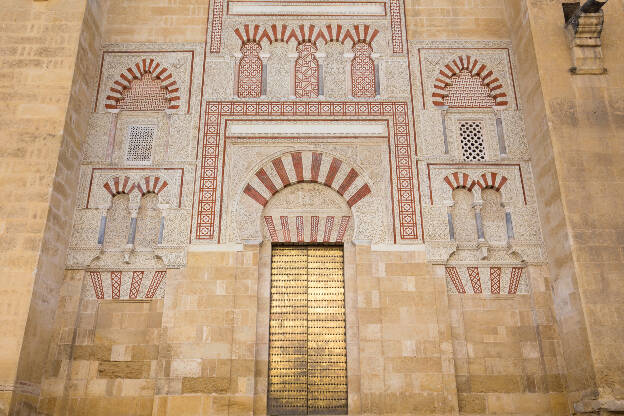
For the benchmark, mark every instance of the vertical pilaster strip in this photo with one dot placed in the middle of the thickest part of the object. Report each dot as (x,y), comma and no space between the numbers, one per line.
(450,225)
(396,27)
(509,223)
(479,222)
(271,228)
(102,230)
(444,134)
(495,280)
(502,147)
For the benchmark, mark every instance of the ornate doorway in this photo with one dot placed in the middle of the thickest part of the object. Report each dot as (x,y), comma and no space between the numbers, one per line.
(307,332)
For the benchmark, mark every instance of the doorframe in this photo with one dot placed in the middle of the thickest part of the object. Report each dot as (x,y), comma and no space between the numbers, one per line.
(261,379)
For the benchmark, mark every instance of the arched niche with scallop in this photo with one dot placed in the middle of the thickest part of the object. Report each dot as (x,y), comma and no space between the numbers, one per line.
(307,213)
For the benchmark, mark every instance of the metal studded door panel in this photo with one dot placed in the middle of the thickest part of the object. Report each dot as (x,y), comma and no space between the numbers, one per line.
(288,334)
(307,334)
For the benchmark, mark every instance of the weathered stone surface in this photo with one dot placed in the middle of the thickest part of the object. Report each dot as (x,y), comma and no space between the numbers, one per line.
(123,369)
(478,294)
(205,384)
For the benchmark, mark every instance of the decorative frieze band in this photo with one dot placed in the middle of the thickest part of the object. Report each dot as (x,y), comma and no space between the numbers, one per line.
(136,284)
(305,228)
(489,280)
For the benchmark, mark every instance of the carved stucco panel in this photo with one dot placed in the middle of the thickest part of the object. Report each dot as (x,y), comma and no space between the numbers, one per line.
(243,215)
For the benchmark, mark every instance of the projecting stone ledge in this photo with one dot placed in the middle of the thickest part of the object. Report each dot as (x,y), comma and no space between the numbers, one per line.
(584,30)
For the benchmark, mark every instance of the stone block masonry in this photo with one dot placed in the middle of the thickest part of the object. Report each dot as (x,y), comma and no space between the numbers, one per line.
(51,51)
(136,268)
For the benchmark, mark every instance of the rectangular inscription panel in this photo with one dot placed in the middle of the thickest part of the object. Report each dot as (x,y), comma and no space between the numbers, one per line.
(307,8)
(307,349)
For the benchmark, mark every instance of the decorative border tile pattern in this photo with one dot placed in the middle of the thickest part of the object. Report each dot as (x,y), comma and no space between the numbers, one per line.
(342,229)
(217,27)
(158,277)
(115,284)
(299,223)
(453,276)
(250,71)
(285,228)
(125,284)
(514,281)
(329,224)
(475,280)
(216,112)
(495,279)
(137,278)
(314,224)
(362,71)
(96,281)
(395,24)
(503,280)
(271,228)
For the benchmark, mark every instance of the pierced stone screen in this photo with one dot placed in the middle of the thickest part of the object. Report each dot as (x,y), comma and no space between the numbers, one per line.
(140,140)
(471,140)
(307,334)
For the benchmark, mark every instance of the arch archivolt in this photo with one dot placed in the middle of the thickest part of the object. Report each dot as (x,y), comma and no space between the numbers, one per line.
(146,86)
(465,82)
(136,186)
(316,194)
(476,184)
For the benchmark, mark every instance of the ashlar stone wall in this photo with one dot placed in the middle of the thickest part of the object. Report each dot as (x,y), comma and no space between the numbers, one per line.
(468,174)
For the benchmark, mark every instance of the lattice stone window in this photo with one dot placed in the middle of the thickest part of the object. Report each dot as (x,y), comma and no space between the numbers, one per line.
(140,140)
(471,136)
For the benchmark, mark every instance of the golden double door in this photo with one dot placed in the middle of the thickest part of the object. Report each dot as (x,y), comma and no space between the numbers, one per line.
(307,333)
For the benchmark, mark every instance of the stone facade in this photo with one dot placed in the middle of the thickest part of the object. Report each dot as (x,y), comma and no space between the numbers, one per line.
(464,154)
